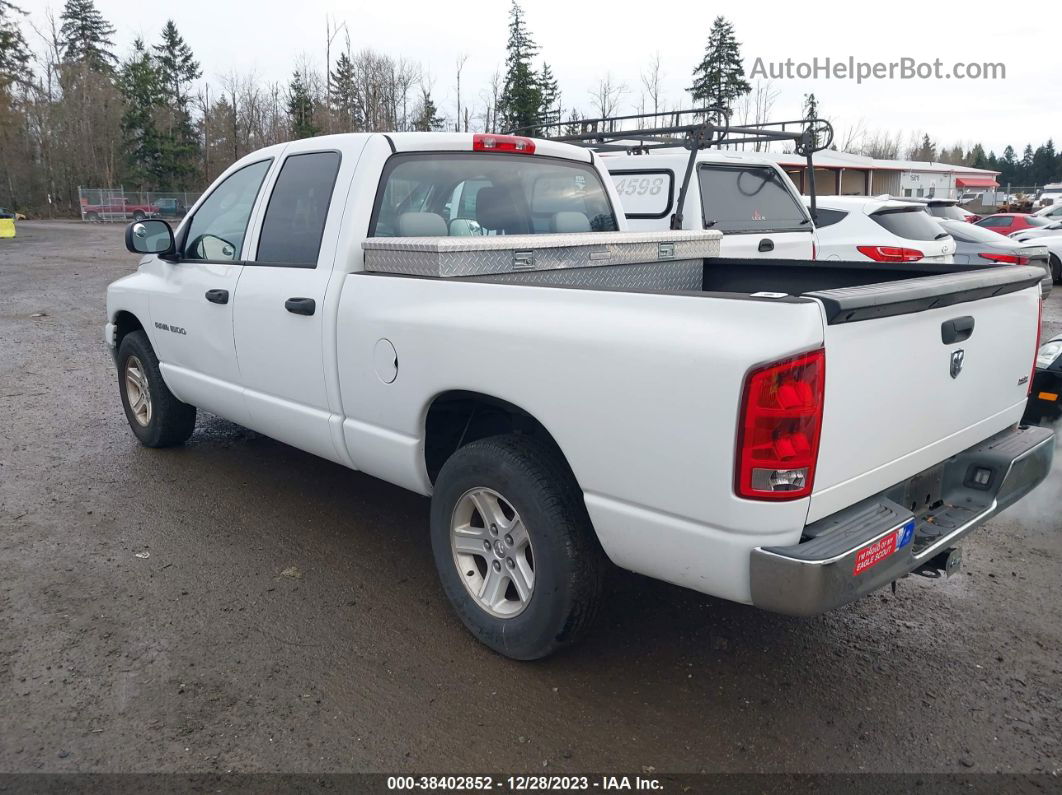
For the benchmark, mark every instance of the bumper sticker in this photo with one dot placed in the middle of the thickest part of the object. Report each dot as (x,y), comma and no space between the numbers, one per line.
(872,554)
(905,534)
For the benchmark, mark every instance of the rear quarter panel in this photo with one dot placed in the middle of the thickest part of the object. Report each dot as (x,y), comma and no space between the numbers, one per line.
(640,390)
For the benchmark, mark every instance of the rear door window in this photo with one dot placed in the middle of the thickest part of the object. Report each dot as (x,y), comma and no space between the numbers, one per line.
(910,224)
(825,217)
(748,199)
(298,207)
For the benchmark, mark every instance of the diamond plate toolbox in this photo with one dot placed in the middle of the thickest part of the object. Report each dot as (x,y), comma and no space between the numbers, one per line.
(449,257)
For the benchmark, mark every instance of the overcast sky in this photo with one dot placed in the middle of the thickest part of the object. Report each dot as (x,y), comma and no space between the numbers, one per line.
(583,41)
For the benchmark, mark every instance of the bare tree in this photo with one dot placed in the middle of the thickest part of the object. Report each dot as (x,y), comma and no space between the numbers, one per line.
(652,78)
(461,60)
(607,96)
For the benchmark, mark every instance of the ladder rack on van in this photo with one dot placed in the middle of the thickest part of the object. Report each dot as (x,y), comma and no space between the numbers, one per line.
(694,129)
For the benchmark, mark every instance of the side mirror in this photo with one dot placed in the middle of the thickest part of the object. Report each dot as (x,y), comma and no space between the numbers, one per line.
(149,236)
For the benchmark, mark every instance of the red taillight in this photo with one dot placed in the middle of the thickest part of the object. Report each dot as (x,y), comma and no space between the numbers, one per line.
(1039,332)
(488,142)
(1005,259)
(891,253)
(814,250)
(778,438)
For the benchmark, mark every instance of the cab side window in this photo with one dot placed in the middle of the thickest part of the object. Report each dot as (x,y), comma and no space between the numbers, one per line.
(295,218)
(218,227)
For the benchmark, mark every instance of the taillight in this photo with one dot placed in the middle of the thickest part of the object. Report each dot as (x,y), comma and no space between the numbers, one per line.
(891,253)
(1005,259)
(814,250)
(488,142)
(1039,332)
(778,438)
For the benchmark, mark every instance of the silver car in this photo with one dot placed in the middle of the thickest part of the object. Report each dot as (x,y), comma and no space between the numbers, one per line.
(975,245)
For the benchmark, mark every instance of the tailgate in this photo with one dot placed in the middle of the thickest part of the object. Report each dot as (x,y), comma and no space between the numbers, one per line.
(918,370)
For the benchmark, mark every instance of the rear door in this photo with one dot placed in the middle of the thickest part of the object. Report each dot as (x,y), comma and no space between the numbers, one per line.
(757,210)
(918,370)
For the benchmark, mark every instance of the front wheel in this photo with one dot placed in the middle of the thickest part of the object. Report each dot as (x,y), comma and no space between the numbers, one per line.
(514,546)
(156,417)
(139,216)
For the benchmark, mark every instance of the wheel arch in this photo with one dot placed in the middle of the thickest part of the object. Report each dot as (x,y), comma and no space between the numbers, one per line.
(125,322)
(458,417)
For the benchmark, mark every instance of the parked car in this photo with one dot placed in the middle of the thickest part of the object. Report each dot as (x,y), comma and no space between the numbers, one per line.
(1007,223)
(751,200)
(170,208)
(976,246)
(1053,243)
(1053,228)
(1052,211)
(1045,399)
(119,209)
(883,230)
(668,416)
(940,208)
(1049,195)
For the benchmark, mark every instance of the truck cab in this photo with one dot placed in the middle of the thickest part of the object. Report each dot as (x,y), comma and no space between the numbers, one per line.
(750,199)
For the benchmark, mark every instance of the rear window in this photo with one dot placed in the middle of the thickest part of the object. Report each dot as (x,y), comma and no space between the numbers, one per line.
(971,233)
(458,194)
(748,199)
(913,224)
(947,211)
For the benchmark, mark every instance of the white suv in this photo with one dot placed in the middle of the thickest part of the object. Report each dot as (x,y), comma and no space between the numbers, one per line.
(882,230)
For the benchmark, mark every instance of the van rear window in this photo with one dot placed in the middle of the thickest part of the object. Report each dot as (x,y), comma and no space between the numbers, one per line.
(749,199)
(459,194)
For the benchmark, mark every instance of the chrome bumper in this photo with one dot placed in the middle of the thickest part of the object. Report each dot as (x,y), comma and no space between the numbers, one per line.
(881,539)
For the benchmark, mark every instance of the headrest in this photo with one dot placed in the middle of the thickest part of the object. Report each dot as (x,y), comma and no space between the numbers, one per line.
(421,225)
(496,209)
(570,222)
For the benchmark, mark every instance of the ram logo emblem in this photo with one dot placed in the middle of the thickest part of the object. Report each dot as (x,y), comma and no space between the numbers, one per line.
(957,358)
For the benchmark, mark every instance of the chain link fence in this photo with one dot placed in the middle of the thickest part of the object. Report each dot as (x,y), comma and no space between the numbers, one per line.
(117,205)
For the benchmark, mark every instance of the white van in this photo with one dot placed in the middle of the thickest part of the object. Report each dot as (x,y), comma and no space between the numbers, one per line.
(746,197)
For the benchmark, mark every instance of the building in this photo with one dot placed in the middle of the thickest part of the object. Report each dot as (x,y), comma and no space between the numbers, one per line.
(846,174)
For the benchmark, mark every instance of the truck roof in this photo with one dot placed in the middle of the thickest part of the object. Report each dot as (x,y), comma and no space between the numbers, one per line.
(663,157)
(425,142)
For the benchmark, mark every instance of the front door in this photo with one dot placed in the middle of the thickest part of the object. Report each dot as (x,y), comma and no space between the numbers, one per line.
(192,309)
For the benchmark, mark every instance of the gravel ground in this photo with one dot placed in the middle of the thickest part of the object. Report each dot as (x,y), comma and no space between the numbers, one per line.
(236,604)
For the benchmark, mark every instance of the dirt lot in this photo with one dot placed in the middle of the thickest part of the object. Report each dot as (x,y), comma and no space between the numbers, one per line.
(238,605)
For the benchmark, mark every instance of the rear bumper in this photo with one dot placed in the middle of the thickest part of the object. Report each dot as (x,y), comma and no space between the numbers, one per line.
(873,543)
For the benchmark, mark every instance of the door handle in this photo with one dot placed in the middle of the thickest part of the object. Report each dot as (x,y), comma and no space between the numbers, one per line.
(766,245)
(956,330)
(217,296)
(301,306)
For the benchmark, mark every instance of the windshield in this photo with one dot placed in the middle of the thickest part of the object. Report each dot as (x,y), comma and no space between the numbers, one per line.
(909,223)
(748,199)
(462,194)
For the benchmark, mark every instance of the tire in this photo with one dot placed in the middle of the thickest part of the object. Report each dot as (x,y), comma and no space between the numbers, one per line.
(92,217)
(1056,269)
(533,487)
(162,420)
(139,216)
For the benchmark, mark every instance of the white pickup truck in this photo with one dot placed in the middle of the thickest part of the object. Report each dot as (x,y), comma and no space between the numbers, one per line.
(464,316)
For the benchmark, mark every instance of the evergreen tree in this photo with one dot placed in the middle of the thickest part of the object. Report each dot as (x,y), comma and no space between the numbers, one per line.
(925,151)
(142,92)
(549,111)
(85,37)
(521,99)
(574,124)
(344,97)
(977,157)
(811,112)
(427,118)
(1043,163)
(719,79)
(302,108)
(176,68)
(14,53)
(1025,168)
(176,65)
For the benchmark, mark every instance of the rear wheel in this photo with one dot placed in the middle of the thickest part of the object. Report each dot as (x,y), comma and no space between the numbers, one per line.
(139,215)
(514,546)
(156,417)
